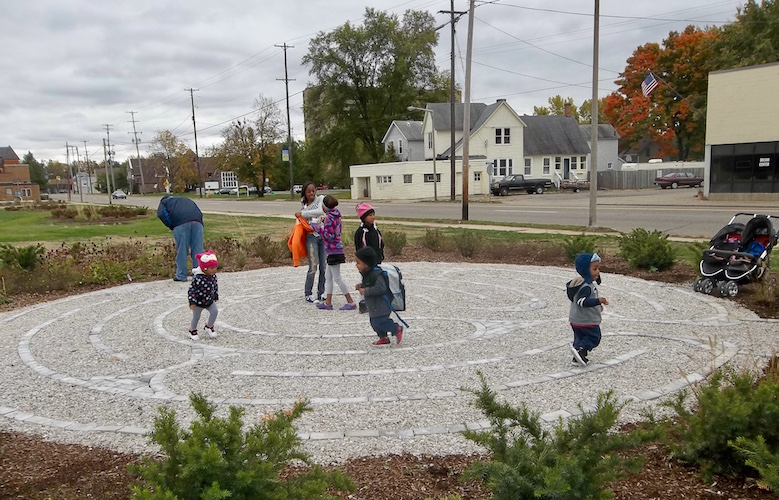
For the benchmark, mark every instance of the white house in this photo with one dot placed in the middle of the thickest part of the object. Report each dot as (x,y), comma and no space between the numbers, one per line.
(608,145)
(406,138)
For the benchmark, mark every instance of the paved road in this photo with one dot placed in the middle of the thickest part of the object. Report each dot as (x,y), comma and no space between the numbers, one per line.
(675,212)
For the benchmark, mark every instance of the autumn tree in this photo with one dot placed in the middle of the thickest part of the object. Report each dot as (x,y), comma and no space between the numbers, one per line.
(175,163)
(673,116)
(365,76)
(252,147)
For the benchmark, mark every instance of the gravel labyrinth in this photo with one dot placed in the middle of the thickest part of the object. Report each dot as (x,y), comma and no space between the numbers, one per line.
(94,368)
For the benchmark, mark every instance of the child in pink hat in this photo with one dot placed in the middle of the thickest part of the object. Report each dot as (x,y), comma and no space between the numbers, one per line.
(368,235)
(204,293)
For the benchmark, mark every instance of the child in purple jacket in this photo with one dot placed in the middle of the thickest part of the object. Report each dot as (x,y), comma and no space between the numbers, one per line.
(330,231)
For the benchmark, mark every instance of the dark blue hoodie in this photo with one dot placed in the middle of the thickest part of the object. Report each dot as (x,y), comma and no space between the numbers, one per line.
(585,304)
(176,210)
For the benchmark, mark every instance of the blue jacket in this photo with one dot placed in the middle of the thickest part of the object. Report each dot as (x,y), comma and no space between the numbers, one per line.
(177,210)
(376,288)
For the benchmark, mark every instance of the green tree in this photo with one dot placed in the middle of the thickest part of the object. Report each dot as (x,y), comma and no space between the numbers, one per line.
(752,39)
(365,76)
(37,171)
(585,111)
(174,159)
(557,107)
(252,147)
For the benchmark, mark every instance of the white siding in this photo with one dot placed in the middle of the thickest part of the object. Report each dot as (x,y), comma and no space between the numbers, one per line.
(366,177)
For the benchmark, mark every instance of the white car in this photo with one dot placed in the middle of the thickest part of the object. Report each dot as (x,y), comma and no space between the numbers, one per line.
(119,194)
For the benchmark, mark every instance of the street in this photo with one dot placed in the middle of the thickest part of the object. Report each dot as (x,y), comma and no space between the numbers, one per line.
(676,212)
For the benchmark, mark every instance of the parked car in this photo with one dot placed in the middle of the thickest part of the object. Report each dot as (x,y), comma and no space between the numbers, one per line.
(119,194)
(268,190)
(243,188)
(321,187)
(676,179)
(224,191)
(298,188)
(519,183)
(252,190)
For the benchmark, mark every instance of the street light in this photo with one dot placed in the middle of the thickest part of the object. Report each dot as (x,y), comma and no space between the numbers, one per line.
(435,173)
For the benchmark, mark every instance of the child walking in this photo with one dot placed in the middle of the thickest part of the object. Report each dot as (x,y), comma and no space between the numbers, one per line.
(330,231)
(368,235)
(586,307)
(204,293)
(374,287)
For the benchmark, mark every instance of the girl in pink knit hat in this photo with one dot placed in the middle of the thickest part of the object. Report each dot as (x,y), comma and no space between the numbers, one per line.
(204,293)
(368,235)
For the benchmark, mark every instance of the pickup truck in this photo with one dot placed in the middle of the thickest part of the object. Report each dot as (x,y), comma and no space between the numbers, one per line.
(519,183)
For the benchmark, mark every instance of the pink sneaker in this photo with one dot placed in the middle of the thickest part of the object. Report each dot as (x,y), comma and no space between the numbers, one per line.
(399,335)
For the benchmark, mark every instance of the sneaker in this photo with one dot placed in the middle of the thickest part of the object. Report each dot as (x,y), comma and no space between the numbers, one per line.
(381,341)
(349,306)
(579,355)
(210,332)
(324,306)
(193,335)
(398,335)
(363,307)
(310,299)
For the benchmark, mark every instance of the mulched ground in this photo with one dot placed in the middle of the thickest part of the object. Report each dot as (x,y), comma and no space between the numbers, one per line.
(31,468)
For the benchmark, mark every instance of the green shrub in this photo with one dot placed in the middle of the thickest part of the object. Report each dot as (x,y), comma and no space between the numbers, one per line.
(467,242)
(267,250)
(26,257)
(647,250)
(581,243)
(64,213)
(573,462)
(730,405)
(756,454)
(433,239)
(215,459)
(395,241)
(223,247)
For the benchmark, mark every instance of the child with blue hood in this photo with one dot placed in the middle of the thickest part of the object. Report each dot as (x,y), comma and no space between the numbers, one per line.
(586,307)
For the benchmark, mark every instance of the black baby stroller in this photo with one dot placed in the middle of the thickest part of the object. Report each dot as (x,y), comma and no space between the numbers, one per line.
(739,253)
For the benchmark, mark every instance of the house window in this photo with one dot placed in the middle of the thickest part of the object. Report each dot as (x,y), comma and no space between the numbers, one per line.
(583,163)
(383,179)
(429,177)
(9,191)
(573,163)
(502,136)
(26,192)
(528,166)
(407,179)
(477,176)
(557,162)
(547,162)
(390,145)
(430,140)
(502,167)
(400,146)
(609,166)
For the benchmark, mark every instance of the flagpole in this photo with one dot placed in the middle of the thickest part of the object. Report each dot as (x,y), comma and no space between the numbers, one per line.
(673,90)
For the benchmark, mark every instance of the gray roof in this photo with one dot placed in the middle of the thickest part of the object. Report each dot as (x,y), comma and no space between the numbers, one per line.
(605,131)
(442,114)
(8,153)
(547,135)
(411,130)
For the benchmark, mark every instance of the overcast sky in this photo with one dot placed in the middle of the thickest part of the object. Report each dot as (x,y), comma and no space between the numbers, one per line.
(71,66)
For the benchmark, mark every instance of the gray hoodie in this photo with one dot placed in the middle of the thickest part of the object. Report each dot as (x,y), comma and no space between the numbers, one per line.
(585,307)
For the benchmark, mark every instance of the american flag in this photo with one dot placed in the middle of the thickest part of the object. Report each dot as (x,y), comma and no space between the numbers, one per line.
(649,84)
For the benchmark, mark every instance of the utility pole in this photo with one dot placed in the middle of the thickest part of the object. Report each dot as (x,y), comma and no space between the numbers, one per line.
(194,127)
(452,21)
(109,165)
(86,162)
(137,141)
(593,220)
(78,177)
(289,126)
(467,110)
(107,178)
(67,163)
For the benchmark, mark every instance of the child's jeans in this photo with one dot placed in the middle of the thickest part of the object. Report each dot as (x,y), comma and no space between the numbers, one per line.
(213,311)
(383,325)
(586,337)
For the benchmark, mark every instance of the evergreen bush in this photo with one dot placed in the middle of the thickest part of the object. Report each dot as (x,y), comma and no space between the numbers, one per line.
(467,242)
(581,243)
(574,461)
(395,242)
(756,454)
(647,250)
(216,459)
(433,239)
(26,257)
(267,250)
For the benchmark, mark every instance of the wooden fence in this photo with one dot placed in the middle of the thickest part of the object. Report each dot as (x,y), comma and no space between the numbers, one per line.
(636,179)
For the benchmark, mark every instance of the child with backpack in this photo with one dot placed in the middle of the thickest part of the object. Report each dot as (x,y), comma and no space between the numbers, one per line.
(330,231)
(375,288)
(586,306)
(368,235)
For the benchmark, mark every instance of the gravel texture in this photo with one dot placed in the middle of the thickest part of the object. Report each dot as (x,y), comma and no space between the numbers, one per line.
(95,368)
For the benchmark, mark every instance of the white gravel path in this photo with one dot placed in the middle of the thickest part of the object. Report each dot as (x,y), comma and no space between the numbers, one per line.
(94,368)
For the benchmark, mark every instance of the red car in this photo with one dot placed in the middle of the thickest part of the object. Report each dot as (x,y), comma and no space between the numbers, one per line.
(676,179)
(322,187)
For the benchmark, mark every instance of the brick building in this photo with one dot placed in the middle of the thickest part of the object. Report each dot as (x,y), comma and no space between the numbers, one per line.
(15,178)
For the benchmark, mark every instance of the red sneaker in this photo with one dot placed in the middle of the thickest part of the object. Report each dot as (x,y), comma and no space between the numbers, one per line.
(399,335)
(381,341)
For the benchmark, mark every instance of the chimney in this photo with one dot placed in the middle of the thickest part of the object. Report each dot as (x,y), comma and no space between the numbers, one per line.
(500,100)
(568,109)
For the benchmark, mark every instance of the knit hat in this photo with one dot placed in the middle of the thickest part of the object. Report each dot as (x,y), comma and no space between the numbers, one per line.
(368,256)
(364,209)
(206,259)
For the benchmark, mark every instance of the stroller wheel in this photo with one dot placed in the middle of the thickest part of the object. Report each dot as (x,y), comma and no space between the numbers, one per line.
(697,285)
(706,286)
(730,289)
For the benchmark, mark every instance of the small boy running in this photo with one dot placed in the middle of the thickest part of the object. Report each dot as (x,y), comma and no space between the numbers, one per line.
(204,293)
(586,306)
(374,288)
